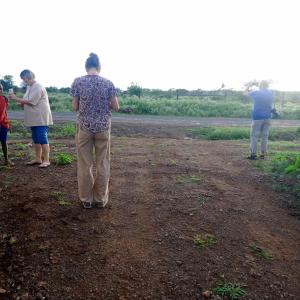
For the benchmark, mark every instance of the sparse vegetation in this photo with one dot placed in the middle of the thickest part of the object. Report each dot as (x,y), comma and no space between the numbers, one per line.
(62,159)
(191,178)
(232,291)
(258,251)
(12,240)
(284,167)
(204,240)
(173,162)
(60,199)
(20,146)
(58,130)
(240,133)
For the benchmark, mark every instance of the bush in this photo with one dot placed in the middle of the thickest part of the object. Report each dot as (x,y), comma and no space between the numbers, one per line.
(63,159)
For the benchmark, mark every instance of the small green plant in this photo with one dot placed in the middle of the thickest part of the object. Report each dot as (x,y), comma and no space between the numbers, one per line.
(234,292)
(173,162)
(10,178)
(152,163)
(192,178)
(60,199)
(180,179)
(295,166)
(260,252)
(63,159)
(12,241)
(195,178)
(58,145)
(6,168)
(204,240)
(58,195)
(20,146)
(202,199)
(63,202)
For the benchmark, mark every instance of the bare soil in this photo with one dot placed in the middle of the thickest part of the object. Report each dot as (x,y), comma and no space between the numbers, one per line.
(163,192)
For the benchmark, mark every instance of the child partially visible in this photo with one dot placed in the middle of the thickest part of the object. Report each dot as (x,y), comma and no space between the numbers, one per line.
(4,126)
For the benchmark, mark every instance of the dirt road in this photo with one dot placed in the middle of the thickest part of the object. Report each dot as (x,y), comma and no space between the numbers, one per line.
(164,120)
(163,193)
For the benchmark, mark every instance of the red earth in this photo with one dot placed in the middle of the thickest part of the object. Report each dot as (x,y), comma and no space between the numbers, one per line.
(164,191)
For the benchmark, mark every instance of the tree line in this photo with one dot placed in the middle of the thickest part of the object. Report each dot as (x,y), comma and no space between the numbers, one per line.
(136,90)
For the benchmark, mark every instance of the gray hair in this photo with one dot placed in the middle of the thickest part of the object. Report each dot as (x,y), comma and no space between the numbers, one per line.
(27,74)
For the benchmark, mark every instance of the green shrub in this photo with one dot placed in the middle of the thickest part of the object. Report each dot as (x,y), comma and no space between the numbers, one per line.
(63,159)
(234,292)
(204,240)
(285,170)
(294,166)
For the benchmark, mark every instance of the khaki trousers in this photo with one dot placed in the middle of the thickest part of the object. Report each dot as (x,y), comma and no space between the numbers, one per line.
(93,188)
(259,128)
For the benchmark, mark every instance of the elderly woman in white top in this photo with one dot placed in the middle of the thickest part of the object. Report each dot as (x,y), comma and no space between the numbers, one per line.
(37,116)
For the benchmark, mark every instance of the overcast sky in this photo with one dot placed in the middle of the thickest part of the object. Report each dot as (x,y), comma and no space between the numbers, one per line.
(158,44)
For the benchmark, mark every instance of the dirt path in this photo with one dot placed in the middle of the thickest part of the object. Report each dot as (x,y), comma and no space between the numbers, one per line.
(164,120)
(163,192)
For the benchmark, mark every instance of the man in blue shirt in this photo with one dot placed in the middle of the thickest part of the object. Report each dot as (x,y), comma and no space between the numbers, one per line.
(261,118)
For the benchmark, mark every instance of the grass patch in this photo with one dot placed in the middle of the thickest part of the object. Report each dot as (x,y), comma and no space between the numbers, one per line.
(201,199)
(220,133)
(60,199)
(6,168)
(58,145)
(204,240)
(230,290)
(152,163)
(173,162)
(242,133)
(58,130)
(257,251)
(61,130)
(284,168)
(62,159)
(20,146)
(192,178)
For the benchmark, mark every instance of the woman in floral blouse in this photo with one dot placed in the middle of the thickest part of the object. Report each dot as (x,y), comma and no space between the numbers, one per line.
(94,97)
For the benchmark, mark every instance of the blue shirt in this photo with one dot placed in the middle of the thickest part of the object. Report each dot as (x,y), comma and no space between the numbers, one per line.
(262,104)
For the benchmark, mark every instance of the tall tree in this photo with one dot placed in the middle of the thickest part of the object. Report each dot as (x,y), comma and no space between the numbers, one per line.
(134,90)
(7,82)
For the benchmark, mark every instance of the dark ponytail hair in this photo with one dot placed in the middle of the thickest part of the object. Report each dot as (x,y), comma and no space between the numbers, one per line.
(93,62)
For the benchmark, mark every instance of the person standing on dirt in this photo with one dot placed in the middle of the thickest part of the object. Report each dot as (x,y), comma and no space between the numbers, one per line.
(94,97)
(37,116)
(261,118)
(4,126)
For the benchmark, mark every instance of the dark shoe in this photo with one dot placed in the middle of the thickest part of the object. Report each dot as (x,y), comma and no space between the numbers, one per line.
(262,156)
(99,205)
(87,204)
(252,157)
